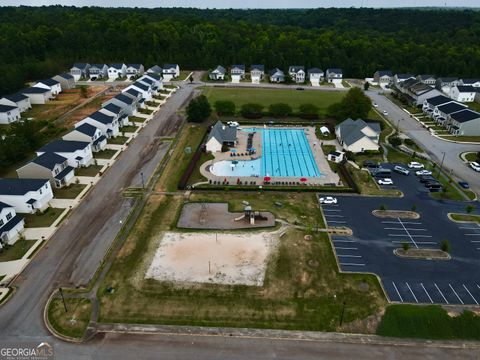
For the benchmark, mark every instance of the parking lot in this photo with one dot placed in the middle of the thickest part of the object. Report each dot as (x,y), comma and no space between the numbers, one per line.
(374,239)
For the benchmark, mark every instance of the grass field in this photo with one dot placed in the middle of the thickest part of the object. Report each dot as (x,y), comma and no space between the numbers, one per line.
(16,251)
(472,156)
(474,106)
(69,192)
(428,322)
(74,322)
(266,97)
(44,219)
(466,217)
(475,139)
(92,170)
(104,154)
(119,140)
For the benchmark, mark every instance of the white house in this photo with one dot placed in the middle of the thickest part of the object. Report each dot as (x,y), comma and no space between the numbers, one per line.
(115,111)
(358,136)
(148,82)
(9,114)
(50,84)
(464,123)
(37,95)
(315,75)
(19,100)
(98,71)
(136,96)
(116,71)
(80,70)
(49,166)
(67,81)
(134,71)
(88,133)
(471,82)
(221,135)
(297,73)
(237,73)
(145,90)
(430,104)
(417,92)
(26,195)
(441,112)
(170,71)
(11,225)
(334,75)
(77,153)
(445,84)
(155,69)
(218,73)
(257,73)
(463,93)
(427,79)
(128,105)
(157,80)
(398,78)
(383,77)
(277,75)
(336,156)
(107,124)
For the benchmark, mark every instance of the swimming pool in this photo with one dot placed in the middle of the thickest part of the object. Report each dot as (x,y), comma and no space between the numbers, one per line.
(285,153)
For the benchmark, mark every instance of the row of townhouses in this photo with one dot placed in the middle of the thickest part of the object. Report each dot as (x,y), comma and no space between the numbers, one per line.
(121,71)
(297,74)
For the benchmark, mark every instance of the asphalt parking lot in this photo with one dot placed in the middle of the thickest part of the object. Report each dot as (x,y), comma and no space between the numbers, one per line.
(374,239)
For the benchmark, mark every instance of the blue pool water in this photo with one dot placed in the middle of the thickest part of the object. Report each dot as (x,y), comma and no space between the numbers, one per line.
(285,153)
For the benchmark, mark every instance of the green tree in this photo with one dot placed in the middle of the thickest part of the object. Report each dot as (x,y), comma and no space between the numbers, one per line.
(469,208)
(224,107)
(366,86)
(251,111)
(308,111)
(280,110)
(445,245)
(354,105)
(405,245)
(395,141)
(199,109)
(84,91)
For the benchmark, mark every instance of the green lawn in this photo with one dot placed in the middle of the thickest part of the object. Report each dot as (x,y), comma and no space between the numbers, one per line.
(473,156)
(461,138)
(119,140)
(428,322)
(104,154)
(183,75)
(92,170)
(77,309)
(129,128)
(136,119)
(466,217)
(15,251)
(44,219)
(474,106)
(69,192)
(266,97)
(145,111)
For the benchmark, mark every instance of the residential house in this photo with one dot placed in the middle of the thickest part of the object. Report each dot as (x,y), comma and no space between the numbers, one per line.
(427,79)
(398,78)
(464,123)
(98,71)
(49,166)
(237,73)
(257,73)
(117,112)
(441,112)
(77,153)
(297,73)
(19,100)
(444,84)
(80,70)
(37,95)
(150,83)
(136,96)
(218,73)
(26,195)
(134,71)
(358,136)
(417,92)
(11,225)
(221,135)
(155,69)
(334,75)
(430,104)
(88,133)
(9,114)
(277,76)
(383,77)
(336,156)
(157,80)
(471,82)
(50,84)
(116,71)
(315,75)
(128,105)
(66,81)
(145,90)
(107,124)
(463,93)
(170,71)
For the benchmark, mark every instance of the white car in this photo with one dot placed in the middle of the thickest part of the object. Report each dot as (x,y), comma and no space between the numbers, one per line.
(385,181)
(328,200)
(475,165)
(385,112)
(375,105)
(423,172)
(415,165)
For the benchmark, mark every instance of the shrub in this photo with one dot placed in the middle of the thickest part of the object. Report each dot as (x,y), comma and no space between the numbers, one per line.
(469,208)
(445,245)
(251,111)
(382,207)
(280,110)
(405,246)
(395,141)
(198,109)
(409,142)
(308,111)
(224,107)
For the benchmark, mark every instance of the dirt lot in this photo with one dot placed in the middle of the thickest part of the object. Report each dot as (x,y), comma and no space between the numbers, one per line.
(86,110)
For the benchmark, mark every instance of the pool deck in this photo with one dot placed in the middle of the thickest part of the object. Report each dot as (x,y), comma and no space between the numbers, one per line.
(328,176)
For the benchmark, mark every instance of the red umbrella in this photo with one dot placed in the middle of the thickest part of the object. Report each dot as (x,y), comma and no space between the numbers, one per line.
(303,179)
(267,178)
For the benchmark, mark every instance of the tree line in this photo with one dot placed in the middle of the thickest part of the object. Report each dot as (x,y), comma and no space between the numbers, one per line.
(39,42)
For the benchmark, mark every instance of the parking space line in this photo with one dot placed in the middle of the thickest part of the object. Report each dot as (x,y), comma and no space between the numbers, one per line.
(418,242)
(331,210)
(456,294)
(477,234)
(409,288)
(398,293)
(351,256)
(414,229)
(469,228)
(344,241)
(474,241)
(444,298)
(469,293)
(426,292)
(336,222)
(352,264)
(345,248)
(339,216)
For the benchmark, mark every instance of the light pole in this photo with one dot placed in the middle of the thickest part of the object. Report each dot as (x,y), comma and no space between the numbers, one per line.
(441,164)
(143,181)
(63,299)
(343,312)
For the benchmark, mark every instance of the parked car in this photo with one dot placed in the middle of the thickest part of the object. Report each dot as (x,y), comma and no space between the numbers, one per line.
(423,172)
(415,165)
(381,172)
(385,112)
(434,186)
(375,105)
(300,88)
(464,184)
(475,165)
(370,164)
(328,200)
(385,181)
(401,170)
(426,178)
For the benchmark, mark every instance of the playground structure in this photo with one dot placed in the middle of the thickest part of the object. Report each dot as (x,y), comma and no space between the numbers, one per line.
(250,216)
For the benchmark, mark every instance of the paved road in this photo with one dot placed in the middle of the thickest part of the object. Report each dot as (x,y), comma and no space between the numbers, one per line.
(432,145)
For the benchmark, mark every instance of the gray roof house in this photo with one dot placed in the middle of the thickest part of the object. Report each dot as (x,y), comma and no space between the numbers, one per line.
(315,75)
(11,225)
(80,70)
(155,69)
(77,153)
(49,166)
(383,77)
(88,133)
(134,70)
(128,104)
(297,73)
(220,135)
(276,75)
(398,78)
(358,136)
(19,100)
(98,71)
(257,73)
(67,81)
(218,73)
(334,75)
(427,79)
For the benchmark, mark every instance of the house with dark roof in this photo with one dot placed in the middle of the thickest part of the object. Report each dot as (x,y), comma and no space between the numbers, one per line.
(170,71)
(37,95)
(141,87)
(155,69)
(276,75)
(117,112)
(430,104)
(257,73)
(221,135)
(237,73)
(9,114)
(77,153)
(445,84)
(80,71)
(50,84)
(427,79)
(118,70)
(383,77)
(297,73)
(315,75)
(155,78)
(26,195)
(218,73)
(471,82)
(134,71)
(67,81)
(441,112)
(464,93)
(49,166)
(416,92)
(398,78)
(19,100)
(88,133)
(334,75)
(107,124)
(11,225)
(98,71)
(464,123)
(128,105)
(358,136)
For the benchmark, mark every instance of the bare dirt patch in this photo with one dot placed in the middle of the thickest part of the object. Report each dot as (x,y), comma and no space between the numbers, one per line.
(396,214)
(427,254)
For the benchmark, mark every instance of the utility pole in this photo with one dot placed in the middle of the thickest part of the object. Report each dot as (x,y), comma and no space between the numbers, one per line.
(441,164)
(143,181)
(63,299)
(343,312)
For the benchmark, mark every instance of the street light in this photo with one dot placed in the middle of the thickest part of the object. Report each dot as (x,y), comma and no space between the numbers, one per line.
(441,164)
(143,181)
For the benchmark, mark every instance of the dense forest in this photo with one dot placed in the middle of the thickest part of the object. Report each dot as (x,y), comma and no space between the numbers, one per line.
(38,42)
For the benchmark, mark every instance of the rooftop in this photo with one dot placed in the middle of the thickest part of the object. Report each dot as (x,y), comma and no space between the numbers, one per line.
(20,186)
(49,160)
(64,146)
